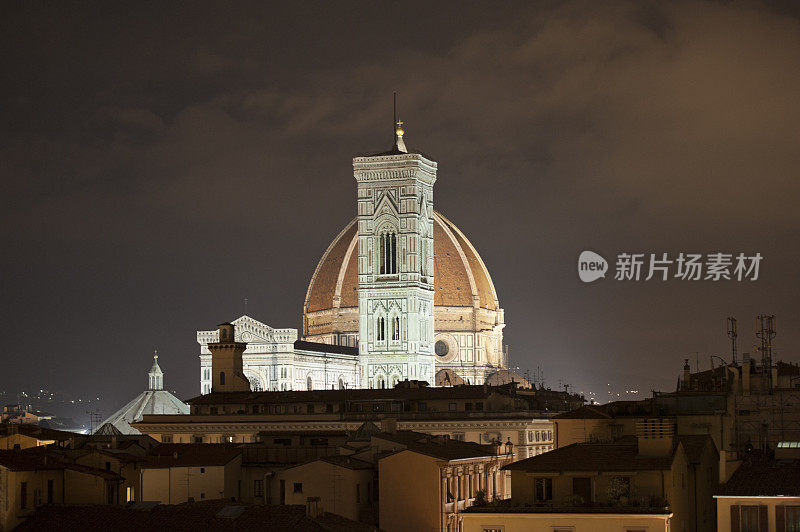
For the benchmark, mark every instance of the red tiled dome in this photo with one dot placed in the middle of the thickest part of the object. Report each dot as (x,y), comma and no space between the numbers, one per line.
(460,277)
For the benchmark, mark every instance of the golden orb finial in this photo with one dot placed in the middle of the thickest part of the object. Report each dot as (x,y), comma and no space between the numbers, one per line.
(399,131)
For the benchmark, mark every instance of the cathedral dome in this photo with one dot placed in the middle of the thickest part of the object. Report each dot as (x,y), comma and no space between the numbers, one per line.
(448,377)
(460,276)
(505,376)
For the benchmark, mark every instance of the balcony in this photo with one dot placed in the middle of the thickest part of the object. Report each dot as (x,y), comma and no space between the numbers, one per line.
(507,506)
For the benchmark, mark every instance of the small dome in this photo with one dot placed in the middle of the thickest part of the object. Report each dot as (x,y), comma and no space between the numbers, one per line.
(448,377)
(505,376)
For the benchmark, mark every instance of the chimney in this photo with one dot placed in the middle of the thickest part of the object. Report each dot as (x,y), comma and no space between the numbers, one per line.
(687,375)
(655,436)
(389,425)
(226,362)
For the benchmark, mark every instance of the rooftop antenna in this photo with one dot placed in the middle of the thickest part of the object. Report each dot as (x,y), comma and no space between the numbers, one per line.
(94,419)
(766,329)
(733,332)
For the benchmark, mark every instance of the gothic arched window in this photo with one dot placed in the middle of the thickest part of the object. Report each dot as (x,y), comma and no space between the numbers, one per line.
(396,328)
(222,378)
(380,333)
(387,253)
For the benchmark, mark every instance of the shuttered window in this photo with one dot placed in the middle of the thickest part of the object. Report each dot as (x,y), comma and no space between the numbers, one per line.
(749,519)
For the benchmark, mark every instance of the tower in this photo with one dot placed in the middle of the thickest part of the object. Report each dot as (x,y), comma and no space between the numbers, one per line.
(226,362)
(395,265)
(155,377)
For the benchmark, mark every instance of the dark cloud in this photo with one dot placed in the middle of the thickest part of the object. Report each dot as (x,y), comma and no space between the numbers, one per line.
(163,162)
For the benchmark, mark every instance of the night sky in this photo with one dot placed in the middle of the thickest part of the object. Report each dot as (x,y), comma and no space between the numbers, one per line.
(162,162)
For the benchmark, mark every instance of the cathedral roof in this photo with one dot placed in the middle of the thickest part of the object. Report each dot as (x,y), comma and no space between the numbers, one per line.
(448,377)
(460,276)
(147,402)
(506,376)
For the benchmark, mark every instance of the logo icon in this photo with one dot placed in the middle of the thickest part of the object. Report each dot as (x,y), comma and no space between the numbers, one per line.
(591,266)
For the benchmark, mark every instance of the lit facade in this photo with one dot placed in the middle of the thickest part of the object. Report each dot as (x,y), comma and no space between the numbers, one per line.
(400,284)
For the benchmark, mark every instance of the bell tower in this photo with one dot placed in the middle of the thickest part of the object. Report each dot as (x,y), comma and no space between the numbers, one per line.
(226,362)
(395,265)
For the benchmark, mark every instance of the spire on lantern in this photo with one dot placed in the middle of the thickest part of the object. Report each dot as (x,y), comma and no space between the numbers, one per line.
(399,145)
(155,375)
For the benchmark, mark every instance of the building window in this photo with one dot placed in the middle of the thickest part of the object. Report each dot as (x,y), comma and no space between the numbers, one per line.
(543,489)
(258,488)
(792,518)
(166,438)
(452,407)
(582,489)
(298,487)
(396,328)
(197,439)
(387,252)
(750,518)
(222,378)
(380,329)
(358,493)
(23,495)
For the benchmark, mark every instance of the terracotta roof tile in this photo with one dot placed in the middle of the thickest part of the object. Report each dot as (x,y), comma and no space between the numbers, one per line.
(191,454)
(761,476)
(611,457)
(206,515)
(453,286)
